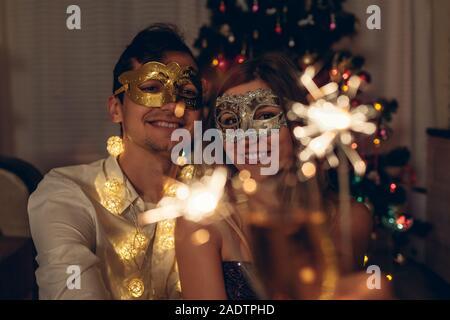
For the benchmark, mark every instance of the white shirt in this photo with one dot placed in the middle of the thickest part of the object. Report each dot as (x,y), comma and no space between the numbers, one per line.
(70,226)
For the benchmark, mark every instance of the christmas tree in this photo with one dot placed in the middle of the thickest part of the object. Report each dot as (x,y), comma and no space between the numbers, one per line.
(304,29)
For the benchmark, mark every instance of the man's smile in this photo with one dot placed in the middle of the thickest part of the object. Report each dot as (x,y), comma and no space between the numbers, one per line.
(165,124)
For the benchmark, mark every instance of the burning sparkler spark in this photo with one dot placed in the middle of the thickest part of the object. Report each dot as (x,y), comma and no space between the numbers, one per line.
(195,202)
(330,122)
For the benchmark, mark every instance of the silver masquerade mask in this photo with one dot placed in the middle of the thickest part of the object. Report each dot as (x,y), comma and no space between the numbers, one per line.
(241,112)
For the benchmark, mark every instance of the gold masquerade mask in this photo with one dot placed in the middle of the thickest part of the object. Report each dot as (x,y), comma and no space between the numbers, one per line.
(240,111)
(155,84)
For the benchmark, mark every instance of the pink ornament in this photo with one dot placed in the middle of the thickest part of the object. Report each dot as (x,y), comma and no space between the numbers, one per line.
(255,6)
(222,7)
(278,28)
(240,59)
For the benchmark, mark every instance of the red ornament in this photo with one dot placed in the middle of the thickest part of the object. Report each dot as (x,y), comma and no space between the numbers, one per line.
(240,58)
(222,6)
(333,23)
(219,62)
(215,62)
(222,64)
(346,75)
(404,223)
(401,220)
(278,28)
(392,187)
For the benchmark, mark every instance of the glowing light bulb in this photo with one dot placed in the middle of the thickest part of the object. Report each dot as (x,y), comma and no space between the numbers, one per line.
(136,287)
(200,237)
(244,175)
(308,169)
(181,160)
(249,186)
(317,218)
(392,187)
(112,195)
(115,146)
(307,275)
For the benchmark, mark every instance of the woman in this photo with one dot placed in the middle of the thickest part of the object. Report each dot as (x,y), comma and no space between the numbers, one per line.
(253,96)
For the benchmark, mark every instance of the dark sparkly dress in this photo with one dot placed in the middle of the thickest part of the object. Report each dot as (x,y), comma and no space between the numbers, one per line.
(236,283)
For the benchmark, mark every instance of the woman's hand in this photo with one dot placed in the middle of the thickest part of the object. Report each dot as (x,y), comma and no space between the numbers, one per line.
(198,251)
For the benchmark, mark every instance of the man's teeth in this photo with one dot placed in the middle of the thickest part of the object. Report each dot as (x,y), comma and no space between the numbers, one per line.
(165,124)
(255,155)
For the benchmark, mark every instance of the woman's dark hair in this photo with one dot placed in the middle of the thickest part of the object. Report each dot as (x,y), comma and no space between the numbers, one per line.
(275,69)
(149,45)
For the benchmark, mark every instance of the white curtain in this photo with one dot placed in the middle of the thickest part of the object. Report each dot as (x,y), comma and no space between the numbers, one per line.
(399,57)
(5,92)
(409,60)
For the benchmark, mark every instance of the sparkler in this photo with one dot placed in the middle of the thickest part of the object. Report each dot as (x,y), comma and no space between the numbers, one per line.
(195,202)
(330,123)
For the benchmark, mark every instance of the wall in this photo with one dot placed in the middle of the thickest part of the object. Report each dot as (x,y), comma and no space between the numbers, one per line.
(57,80)
(441,60)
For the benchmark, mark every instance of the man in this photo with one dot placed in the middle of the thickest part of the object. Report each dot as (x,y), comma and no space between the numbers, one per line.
(84,219)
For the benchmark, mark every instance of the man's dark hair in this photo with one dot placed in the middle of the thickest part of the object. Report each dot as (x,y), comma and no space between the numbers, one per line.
(149,45)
